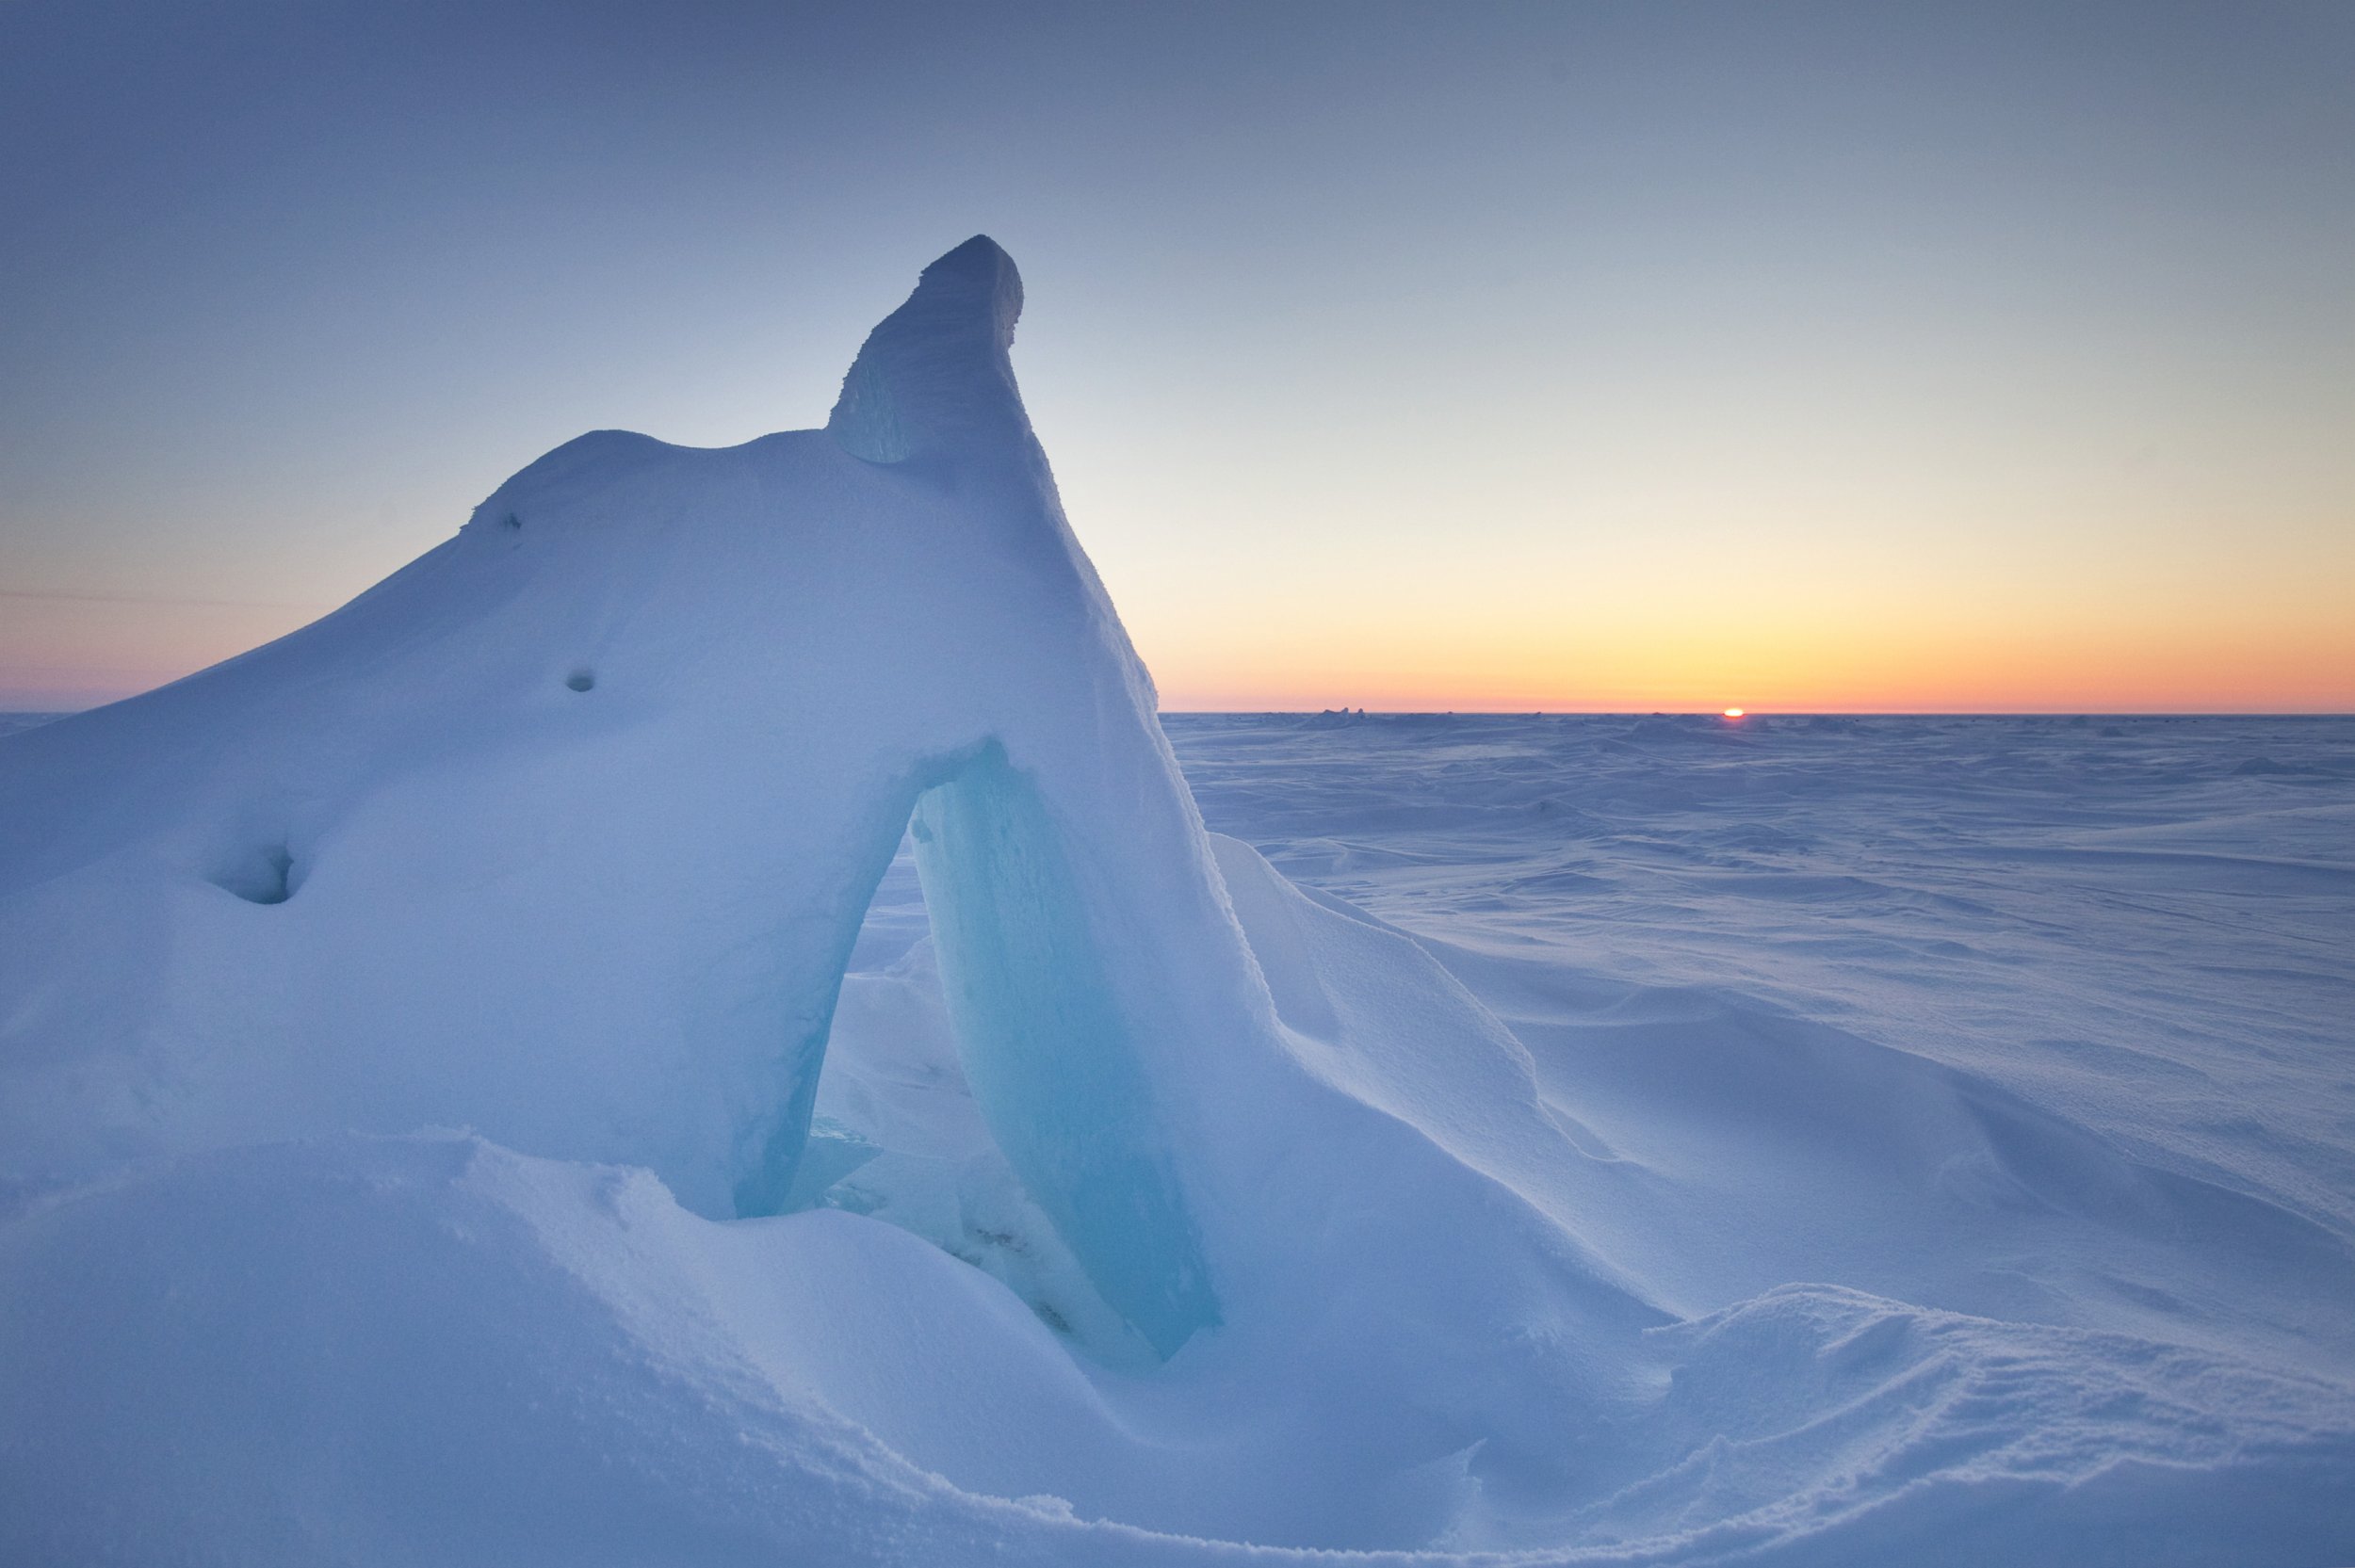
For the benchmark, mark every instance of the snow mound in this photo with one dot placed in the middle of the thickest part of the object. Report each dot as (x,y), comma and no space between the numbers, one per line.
(1141,1208)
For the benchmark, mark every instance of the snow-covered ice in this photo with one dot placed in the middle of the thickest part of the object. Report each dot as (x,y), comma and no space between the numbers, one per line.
(701,1023)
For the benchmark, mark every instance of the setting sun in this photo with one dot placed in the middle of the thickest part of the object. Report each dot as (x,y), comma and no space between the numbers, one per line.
(1733,713)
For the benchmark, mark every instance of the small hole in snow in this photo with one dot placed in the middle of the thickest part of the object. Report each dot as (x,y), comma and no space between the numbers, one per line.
(580,680)
(264,878)
(512,523)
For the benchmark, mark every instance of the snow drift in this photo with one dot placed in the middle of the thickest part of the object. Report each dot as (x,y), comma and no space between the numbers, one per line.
(437,1129)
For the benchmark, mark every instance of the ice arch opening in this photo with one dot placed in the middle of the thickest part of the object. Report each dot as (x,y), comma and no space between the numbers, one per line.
(982,1083)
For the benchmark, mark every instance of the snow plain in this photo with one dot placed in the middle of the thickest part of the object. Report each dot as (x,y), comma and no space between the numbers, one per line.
(1973,1092)
(1962,1083)
(477,1085)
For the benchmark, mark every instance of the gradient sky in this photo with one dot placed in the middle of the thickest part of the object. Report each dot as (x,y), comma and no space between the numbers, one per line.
(1410,356)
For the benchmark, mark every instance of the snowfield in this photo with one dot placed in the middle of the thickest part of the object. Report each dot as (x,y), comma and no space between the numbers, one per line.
(702,1023)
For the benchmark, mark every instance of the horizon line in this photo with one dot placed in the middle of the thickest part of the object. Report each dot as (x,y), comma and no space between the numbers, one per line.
(1747,713)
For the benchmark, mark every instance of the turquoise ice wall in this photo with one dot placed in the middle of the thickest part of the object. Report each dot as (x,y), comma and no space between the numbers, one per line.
(1051,1060)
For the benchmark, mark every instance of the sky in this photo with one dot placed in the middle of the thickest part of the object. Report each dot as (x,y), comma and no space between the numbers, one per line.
(1443,356)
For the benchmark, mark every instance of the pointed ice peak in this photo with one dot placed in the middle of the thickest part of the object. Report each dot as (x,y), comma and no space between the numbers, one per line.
(932,380)
(978,274)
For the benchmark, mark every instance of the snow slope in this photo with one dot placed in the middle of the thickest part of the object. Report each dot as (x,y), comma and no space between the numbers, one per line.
(476,1086)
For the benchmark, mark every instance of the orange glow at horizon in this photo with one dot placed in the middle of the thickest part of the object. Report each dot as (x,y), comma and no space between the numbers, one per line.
(1650,587)
(1630,667)
(1870,665)
(1509,645)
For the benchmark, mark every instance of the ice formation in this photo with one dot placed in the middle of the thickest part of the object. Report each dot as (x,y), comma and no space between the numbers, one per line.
(437,1128)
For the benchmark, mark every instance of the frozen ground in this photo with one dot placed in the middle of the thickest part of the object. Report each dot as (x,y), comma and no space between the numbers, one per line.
(2145,925)
(2036,1021)
(1977,1091)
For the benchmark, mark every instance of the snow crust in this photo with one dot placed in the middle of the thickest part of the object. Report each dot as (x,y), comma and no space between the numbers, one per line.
(479,1084)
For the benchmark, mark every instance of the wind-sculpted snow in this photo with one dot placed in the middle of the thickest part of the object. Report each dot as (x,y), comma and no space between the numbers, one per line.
(700,1023)
(566,831)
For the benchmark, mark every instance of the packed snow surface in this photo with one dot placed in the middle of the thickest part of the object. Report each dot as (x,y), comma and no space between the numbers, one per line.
(701,1023)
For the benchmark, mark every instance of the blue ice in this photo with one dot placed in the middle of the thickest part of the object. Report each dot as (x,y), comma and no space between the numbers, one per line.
(1051,1060)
